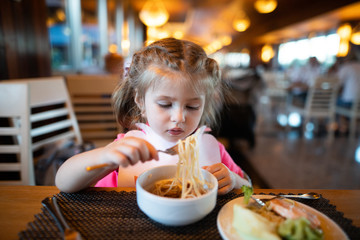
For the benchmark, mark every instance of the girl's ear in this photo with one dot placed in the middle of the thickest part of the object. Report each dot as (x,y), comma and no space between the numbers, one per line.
(140,103)
(137,99)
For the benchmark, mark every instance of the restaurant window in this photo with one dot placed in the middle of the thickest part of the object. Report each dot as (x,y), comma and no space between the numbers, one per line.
(81,32)
(232,59)
(77,44)
(90,38)
(59,33)
(324,48)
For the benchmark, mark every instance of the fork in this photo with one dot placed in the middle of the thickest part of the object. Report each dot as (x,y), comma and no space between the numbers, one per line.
(309,195)
(258,201)
(50,203)
(171,151)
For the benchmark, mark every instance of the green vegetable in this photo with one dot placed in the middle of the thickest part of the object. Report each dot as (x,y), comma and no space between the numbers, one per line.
(248,191)
(299,229)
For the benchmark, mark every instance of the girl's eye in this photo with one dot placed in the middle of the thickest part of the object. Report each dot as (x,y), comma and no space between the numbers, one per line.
(165,105)
(193,107)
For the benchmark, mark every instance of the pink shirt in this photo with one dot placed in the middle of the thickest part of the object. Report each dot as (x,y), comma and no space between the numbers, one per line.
(111,180)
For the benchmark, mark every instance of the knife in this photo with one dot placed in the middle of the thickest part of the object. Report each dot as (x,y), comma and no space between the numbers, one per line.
(50,203)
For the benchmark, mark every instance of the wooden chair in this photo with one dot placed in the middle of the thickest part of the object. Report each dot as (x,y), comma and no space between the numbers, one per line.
(352,113)
(37,113)
(320,103)
(91,96)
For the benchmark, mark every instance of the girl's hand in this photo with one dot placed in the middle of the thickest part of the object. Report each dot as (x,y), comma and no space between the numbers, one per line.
(128,151)
(223,175)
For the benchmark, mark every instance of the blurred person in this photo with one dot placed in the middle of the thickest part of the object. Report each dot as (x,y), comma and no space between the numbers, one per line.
(301,79)
(349,87)
(349,81)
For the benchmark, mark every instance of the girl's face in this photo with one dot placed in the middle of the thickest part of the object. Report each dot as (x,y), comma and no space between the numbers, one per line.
(173,110)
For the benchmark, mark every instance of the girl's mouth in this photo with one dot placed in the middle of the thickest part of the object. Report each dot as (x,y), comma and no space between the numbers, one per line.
(175,131)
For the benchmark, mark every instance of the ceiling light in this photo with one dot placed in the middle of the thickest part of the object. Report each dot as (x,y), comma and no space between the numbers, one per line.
(343,48)
(113,48)
(241,22)
(265,6)
(355,36)
(178,34)
(225,40)
(151,32)
(344,31)
(245,51)
(154,13)
(267,53)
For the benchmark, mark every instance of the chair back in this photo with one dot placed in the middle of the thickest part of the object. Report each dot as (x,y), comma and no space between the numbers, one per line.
(52,116)
(37,113)
(321,98)
(91,97)
(16,165)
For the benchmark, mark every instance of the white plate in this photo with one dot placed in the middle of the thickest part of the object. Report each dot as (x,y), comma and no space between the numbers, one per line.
(225,217)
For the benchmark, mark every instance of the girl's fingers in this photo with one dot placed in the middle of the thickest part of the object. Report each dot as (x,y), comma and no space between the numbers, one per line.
(218,170)
(224,190)
(136,151)
(132,150)
(124,161)
(152,150)
(117,158)
(222,175)
(224,182)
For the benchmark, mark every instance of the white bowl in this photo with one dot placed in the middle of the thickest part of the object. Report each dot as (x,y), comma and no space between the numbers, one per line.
(173,211)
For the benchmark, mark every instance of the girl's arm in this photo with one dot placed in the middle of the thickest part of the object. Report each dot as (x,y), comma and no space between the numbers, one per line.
(72,176)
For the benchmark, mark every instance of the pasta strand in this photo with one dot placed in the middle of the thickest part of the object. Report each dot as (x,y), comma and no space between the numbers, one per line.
(188,181)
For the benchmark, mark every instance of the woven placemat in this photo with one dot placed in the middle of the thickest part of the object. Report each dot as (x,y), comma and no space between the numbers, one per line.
(115,215)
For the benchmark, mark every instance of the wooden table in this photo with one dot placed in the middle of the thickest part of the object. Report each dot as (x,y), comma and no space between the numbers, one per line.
(19,204)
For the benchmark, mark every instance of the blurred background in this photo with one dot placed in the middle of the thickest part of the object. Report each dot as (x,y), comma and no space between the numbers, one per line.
(274,54)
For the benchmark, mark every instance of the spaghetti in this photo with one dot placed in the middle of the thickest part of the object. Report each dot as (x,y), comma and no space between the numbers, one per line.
(188,181)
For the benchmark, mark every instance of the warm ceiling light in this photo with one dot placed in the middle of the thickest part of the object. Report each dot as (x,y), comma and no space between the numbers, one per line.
(162,33)
(154,13)
(265,6)
(226,40)
(343,48)
(151,32)
(178,34)
(60,14)
(267,53)
(148,42)
(245,51)
(50,21)
(344,31)
(113,48)
(355,36)
(241,22)
(125,45)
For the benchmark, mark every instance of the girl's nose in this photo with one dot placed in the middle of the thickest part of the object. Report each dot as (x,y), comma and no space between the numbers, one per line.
(178,115)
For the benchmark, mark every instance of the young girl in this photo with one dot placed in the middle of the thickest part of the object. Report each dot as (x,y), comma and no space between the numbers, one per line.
(172,88)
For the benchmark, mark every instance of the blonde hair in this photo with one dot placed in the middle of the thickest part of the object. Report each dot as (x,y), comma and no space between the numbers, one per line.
(183,60)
